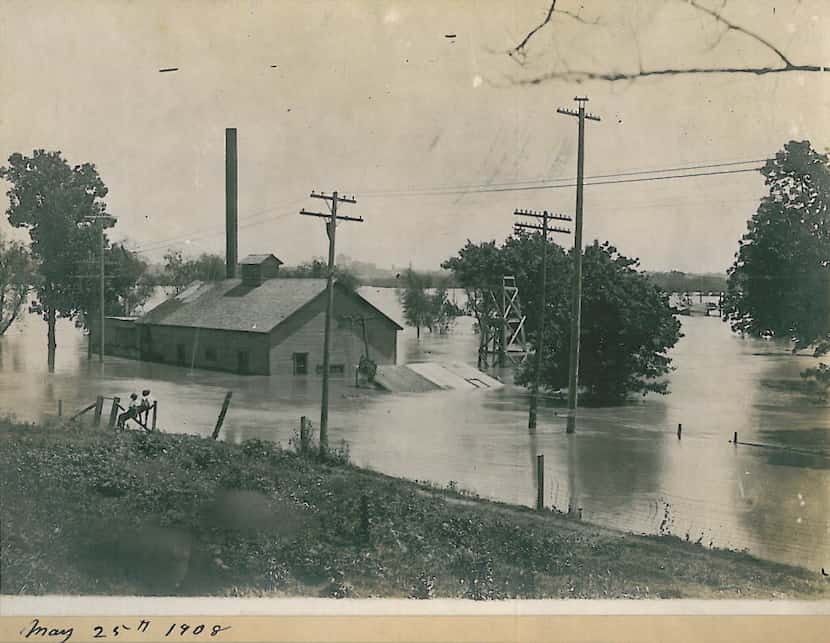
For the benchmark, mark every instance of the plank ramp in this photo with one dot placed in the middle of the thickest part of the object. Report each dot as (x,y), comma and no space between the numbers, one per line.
(402,379)
(430,376)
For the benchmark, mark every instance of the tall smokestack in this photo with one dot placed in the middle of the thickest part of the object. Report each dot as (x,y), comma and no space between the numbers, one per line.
(231,240)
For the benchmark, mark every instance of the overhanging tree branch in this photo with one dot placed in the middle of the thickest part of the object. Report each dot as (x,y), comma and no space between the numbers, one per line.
(580,76)
(518,48)
(731,26)
(786,65)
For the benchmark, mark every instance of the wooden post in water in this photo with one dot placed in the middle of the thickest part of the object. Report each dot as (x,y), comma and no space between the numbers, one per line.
(679,431)
(155,413)
(99,410)
(735,438)
(540,482)
(114,412)
(222,413)
(304,435)
(60,408)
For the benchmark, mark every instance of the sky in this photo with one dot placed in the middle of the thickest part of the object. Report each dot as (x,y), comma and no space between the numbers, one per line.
(371,98)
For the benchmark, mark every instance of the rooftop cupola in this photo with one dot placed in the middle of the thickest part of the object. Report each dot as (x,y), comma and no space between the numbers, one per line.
(257,268)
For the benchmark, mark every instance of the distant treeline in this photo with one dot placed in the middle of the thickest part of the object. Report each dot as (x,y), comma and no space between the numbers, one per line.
(178,271)
(676,281)
(429,279)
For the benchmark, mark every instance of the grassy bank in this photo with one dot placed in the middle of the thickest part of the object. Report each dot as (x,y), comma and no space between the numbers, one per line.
(86,511)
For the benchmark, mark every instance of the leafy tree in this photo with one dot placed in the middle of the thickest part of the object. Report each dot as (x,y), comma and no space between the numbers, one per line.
(780,279)
(627,325)
(131,286)
(174,273)
(180,272)
(16,277)
(52,200)
(627,328)
(478,269)
(425,309)
(415,301)
(125,287)
(318,269)
(444,311)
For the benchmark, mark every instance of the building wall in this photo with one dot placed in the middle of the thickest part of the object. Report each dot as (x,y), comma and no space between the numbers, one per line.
(205,348)
(304,333)
(267,354)
(120,338)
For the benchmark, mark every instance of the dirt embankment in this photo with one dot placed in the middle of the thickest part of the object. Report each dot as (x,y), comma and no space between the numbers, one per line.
(92,512)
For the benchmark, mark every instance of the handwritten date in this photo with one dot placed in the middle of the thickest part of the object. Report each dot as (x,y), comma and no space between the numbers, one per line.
(36,630)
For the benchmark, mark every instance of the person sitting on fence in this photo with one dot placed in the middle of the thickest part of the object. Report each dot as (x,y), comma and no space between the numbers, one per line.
(146,405)
(131,413)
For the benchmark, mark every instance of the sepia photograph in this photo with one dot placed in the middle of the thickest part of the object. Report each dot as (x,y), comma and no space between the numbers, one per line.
(462,302)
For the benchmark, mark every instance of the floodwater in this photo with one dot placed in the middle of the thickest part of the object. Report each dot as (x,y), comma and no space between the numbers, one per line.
(624,467)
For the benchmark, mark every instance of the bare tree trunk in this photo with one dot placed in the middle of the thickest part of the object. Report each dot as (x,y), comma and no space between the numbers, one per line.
(50,337)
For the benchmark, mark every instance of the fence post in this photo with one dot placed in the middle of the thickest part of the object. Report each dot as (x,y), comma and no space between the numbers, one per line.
(735,438)
(222,413)
(679,430)
(540,482)
(114,413)
(99,410)
(155,412)
(304,446)
(60,408)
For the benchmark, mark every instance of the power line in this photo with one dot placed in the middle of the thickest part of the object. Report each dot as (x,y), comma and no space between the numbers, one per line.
(158,245)
(555,186)
(545,183)
(521,185)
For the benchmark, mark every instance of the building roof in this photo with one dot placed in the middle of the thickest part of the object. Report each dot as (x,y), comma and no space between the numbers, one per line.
(231,305)
(258,259)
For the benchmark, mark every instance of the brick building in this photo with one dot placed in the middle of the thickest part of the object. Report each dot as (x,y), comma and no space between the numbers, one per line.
(260,324)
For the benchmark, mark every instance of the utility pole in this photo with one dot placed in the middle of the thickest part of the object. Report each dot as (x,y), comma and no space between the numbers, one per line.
(576,303)
(100,220)
(331,227)
(545,216)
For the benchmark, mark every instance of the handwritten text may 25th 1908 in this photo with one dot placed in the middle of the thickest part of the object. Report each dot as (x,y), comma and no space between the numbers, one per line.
(37,630)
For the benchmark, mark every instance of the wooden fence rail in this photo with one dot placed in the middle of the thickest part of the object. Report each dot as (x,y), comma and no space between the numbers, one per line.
(222,414)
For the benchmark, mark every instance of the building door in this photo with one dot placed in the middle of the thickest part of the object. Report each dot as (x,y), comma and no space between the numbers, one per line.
(300,363)
(242,362)
(181,359)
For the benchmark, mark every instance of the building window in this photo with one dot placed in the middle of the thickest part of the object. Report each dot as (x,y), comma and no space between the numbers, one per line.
(300,363)
(210,353)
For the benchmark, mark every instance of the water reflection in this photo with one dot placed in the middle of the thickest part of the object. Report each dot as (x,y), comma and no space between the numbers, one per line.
(613,472)
(625,466)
